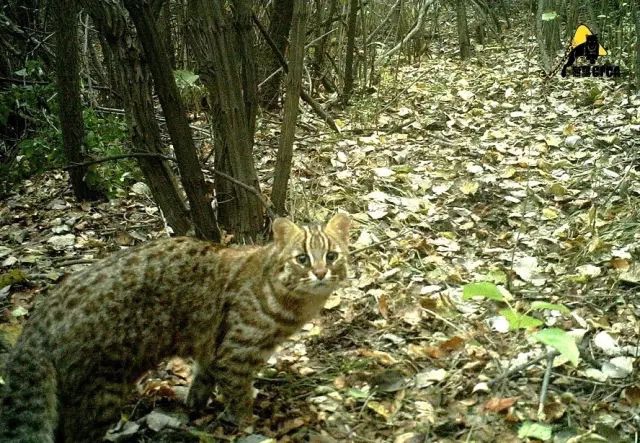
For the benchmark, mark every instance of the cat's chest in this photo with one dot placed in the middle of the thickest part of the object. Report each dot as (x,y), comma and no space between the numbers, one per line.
(252,329)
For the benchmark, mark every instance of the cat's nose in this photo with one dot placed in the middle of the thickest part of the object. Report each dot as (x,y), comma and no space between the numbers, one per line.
(320,273)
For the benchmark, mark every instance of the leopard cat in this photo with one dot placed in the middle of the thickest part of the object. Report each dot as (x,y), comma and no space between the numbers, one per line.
(228,308)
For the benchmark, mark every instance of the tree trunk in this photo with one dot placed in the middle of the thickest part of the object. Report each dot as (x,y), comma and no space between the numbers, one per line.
(351,47)
(547,33)
(279,26)
(70,106)
(294,85)
(164,26)
(245,43)
(214,41)
(131,77)
(463,30)
(636,21)
(192,178)
(318,59)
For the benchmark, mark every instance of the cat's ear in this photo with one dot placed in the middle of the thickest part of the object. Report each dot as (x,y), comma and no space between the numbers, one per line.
(283,230)
(338,226)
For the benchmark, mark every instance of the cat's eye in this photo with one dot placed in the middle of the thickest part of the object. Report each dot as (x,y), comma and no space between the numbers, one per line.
(332,256)
(303,259)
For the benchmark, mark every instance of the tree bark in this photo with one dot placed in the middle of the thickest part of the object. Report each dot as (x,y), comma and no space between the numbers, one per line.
(279,27)
(294,85)
(463,30)
(131,77)
(636,22)
(69,101)
(214,41)
(192,178)
(318,57)
(349,52)
(164,22)
(547,34)
(245,43)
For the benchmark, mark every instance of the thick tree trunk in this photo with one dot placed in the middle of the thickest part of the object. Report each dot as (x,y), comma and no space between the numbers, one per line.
(463,30)
(350,50)
(214,41)
(131,77)
(294,85)
(547,34)
(279,26)
(185,150)
(164,25)
(70,106)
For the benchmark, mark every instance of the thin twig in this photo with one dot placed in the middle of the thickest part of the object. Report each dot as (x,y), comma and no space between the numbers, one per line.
(381,242)
(118,157)
(518,368)
(159,118)
(545,381)
(444,320)
(268,206)
(76,261)
(303,94)
(308,45)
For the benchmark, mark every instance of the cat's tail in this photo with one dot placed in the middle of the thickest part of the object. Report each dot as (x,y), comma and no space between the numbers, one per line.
(28,407)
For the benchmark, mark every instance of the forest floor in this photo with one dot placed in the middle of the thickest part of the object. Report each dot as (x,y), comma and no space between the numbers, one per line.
(454,173)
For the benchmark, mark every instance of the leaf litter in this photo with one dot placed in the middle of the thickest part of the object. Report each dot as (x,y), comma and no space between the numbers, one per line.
(495,177)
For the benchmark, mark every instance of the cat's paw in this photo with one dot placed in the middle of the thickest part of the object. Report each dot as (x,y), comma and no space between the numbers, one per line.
(239,418)
(198,396)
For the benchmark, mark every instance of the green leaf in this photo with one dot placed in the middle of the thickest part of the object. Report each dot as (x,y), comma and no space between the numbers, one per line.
(357,393)
(535,430)
(519,321)
(497,276)
(185,78)
(541,305)
(549,15)
(561,341)
(482,289)
(19,312)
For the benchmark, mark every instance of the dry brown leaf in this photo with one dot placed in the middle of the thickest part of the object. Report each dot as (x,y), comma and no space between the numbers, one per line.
(383,305)
(632,395)
(421,351)
(497,404)
(158,388)
(620,264)
(452,344)
(554,410)
(340,382)
(380,356)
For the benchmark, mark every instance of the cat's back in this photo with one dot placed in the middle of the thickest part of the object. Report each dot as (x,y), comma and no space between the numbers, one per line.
(151,268)
(137,295)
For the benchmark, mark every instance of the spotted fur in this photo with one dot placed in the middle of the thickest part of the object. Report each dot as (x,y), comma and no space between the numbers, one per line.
(228,308)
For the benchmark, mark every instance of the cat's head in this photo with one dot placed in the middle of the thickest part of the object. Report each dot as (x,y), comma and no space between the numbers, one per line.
(311,259)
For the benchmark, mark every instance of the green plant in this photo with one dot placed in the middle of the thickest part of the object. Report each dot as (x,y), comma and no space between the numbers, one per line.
(40,145)
(192,91)
(105,136)
(556,338)
(30,140)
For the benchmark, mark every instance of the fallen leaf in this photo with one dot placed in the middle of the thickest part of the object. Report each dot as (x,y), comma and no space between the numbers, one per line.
(618,367)
(497,404)
(632,395)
